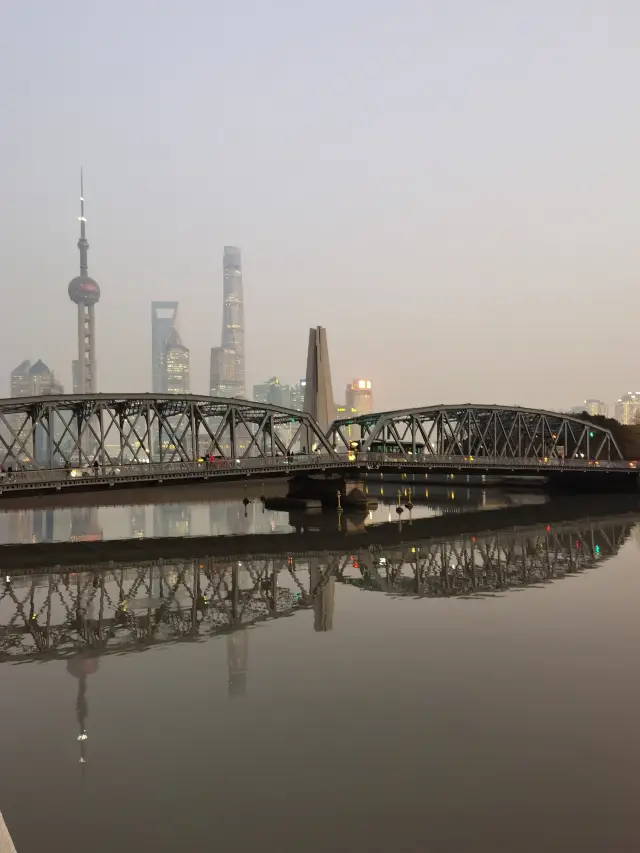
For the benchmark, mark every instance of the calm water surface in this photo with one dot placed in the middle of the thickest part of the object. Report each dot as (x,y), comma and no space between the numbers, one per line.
(479,694)
(213,518)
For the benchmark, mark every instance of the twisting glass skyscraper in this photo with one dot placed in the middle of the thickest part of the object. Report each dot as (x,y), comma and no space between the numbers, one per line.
(233,318)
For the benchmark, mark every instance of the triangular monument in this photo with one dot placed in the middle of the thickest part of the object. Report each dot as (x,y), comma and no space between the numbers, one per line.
(318,393)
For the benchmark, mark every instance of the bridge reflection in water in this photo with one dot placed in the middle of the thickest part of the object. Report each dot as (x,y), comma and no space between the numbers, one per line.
(118,608)
(108,608)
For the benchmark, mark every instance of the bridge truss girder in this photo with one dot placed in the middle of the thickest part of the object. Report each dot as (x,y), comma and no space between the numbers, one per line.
(102,610)
(110,611)
(477,431)
(486,565)
(76,430)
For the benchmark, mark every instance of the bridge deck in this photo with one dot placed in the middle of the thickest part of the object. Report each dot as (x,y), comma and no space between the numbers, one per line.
(136,475)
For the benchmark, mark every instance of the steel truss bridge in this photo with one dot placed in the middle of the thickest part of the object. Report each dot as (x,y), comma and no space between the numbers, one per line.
(104,441)
(118,607)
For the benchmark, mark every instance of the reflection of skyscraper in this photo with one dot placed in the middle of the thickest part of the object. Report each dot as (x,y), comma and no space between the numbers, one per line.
(172,520)
(238,661)
(43,525)
(19,524)
(138,522)
(227,371)
(81,667)
(163,320)
(84,291)
(85,524)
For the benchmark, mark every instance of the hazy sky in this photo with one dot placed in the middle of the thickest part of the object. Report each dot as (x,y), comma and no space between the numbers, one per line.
(452,188)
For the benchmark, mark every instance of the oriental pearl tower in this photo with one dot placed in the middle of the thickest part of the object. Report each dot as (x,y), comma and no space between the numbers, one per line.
(84,291)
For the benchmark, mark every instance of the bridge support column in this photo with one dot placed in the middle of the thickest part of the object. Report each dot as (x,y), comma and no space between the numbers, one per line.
(352,490)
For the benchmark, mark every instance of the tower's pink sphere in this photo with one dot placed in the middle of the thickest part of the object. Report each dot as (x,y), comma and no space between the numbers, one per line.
(84,290)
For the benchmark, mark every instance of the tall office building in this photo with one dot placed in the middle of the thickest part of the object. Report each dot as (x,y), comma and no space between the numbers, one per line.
(591,407)
(20,381)
(34,380)
(163,323)
(233,317)
(628,408)
(359,397)
(297,395)
(85,293)
(222,373)
(274,392)
(176,366)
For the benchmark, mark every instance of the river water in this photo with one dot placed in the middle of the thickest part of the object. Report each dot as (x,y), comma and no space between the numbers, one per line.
(476,693)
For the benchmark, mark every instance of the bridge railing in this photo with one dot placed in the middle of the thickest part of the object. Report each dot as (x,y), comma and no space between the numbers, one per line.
(156,470)
(318,461)
(469,462)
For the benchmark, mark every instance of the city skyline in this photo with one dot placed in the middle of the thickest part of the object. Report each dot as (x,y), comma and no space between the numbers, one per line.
(498,220)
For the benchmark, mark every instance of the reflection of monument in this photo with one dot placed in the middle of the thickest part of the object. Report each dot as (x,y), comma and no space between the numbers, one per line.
(81,667)
(85,524)
(238,661)
(323,591)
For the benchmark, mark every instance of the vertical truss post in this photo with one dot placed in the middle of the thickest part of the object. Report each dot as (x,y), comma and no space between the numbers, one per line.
(159,420)
(121,420)
(232,432)
(194,433)
(101,424)
(50,428)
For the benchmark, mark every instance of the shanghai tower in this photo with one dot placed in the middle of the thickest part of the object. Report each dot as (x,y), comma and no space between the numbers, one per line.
(233,319)
(84,291)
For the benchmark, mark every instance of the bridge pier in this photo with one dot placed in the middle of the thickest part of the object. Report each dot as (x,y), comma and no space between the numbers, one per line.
(352,490)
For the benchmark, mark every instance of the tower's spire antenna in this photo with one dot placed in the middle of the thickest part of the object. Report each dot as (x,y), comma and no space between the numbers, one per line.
(83,244)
